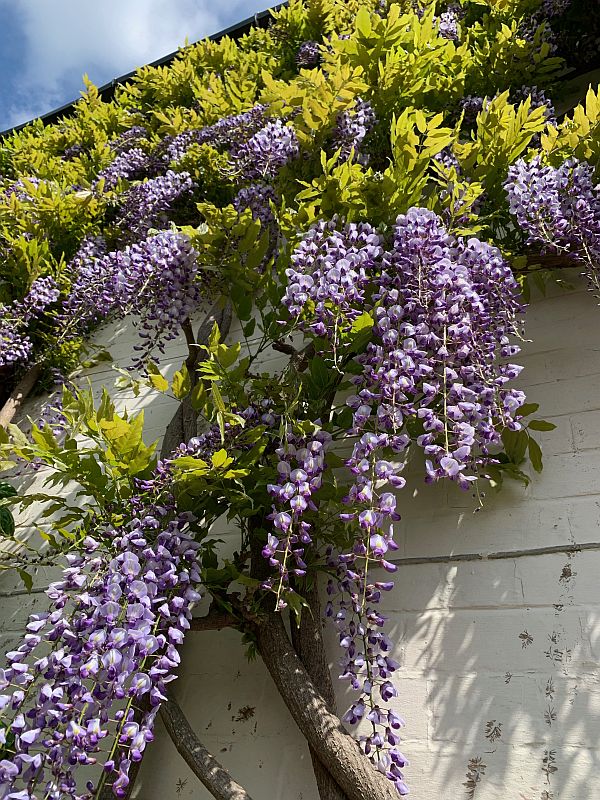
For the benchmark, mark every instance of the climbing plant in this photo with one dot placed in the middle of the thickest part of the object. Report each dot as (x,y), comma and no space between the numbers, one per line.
(368,189)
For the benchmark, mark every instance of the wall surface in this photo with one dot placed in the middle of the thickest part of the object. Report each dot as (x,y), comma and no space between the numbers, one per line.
(500,680)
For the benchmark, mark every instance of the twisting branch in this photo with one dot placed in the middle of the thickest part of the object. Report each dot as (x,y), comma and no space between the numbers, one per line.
(184,423)
(204,765)
(324,732)
(307,638)
(214,621)
(549,261)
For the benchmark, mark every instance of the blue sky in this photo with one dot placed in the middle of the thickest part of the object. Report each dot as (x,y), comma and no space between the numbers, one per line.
(47,45)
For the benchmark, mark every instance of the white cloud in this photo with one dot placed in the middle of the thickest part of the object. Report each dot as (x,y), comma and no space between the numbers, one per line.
(66,38)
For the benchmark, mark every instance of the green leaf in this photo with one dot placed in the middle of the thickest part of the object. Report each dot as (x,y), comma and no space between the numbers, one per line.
(515,444)
(228,355)
(157,381)
(361,323)
(26,578)
(7,523)
(182,383)
(319,372)
(541,425)
(528,408)
(214,338)
(363,22)
(296,603)
(198,396)
(6,490)
(221,459)
(535,455)
(249,328)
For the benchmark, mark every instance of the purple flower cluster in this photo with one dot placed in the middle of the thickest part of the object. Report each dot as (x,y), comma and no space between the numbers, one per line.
(42,293)
(351,129)
(89,299)
(471,105)
(257,197)
(230,132)
(538,100)
(109,639)
(354,595)
(205,445)
(128,164)
(553,8)
(331,269)
(559,209)
(21,190)
(73,151)
(448,22)
(367,664)
(445,312)
(129,139)
(16,346)
(155,280)
(308,55)
(146,204)
(299,470)
(448,160)
(266,152)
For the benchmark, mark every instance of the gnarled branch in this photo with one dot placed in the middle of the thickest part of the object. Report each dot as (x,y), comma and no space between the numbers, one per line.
(307,638)
(213,621)
(202,763)
(324,732)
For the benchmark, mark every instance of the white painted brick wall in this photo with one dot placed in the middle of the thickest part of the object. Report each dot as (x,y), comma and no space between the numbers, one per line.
(512,644)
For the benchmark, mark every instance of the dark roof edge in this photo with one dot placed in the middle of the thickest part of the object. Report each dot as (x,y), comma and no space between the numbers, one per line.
(236,31)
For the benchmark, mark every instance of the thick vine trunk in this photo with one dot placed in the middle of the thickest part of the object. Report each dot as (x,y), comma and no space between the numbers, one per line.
(307,639)
(183,425)
(204,765)
(19,394)
(324,732)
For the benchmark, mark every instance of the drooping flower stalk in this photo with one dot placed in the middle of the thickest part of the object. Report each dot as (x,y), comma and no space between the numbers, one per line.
(109,638)
(559,209)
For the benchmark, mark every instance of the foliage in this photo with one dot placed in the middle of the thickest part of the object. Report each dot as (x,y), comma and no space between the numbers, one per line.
(368,185)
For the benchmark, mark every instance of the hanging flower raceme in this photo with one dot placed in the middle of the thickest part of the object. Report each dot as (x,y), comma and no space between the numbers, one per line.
(559,209)
(448,21)
(146,204)
(229,132)
(129,139)
(537,99)
(15,344)
(331,269)
(266,152)
(130,164)
(308,55)
(356,592)
(108,642)
(351,129)
(445,313)
(155,280)
(299,469)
